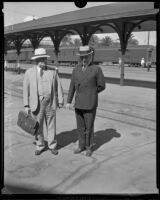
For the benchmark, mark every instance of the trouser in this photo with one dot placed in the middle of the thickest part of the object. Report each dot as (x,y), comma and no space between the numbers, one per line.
(45,113)
(85,127)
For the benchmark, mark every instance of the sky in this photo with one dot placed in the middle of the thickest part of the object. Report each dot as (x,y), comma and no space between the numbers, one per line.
(17,12)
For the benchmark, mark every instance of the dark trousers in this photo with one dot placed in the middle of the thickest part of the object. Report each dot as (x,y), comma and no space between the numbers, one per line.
(85,126)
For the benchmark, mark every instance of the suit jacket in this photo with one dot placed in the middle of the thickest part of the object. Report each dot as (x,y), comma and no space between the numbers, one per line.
(30,88)
(87,85)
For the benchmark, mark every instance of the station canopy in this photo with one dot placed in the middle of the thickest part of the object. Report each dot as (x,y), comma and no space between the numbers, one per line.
(131,12)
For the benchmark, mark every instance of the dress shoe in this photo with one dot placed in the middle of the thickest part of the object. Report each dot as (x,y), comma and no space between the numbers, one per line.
(54,151)
(88,152)
(79,150)
(38,152)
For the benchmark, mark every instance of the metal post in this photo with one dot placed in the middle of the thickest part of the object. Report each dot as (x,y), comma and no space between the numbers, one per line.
(122,70)
(18,63)
(148,37)
(56,51)
(56,59)
(148,48)
(5,62)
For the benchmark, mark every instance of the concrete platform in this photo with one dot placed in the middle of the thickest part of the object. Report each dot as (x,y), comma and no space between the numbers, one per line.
(138,77)
(124,157)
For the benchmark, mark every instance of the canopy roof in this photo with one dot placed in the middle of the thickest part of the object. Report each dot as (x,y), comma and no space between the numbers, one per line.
(115,12)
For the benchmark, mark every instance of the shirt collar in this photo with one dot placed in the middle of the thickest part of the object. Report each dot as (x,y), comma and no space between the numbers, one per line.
(38,68)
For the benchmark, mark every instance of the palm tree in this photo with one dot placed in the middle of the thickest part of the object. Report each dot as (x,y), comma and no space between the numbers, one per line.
(132,40)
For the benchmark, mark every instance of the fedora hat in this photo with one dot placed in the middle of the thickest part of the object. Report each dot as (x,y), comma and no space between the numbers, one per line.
(40,53)
(84,51)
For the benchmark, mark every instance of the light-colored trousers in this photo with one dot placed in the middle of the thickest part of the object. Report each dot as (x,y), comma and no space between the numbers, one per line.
(45,113)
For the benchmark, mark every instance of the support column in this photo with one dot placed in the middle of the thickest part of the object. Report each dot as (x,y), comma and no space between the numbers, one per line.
(56,38)
(123,32)
(56,59)
(56,51)
(5,62)
(5,54)
(18,62)
(35,40)
(85,36)
(122,68)
(18,44)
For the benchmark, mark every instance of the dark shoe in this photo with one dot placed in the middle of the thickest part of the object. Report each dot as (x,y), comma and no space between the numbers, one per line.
(79,150)
(54,151)
(38,152)
(89,152)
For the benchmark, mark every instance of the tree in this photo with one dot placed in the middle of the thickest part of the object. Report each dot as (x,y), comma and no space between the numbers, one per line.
(106,41)
(67,41)
(94,41)
(116,44)
(77,42)
(132,41)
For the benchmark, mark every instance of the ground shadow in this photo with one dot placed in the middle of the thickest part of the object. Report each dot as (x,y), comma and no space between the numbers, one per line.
(25,189)
(101,137)
(67,137)
(104,136)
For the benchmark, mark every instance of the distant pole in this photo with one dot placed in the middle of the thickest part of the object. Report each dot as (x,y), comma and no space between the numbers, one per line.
(148,37)
(148,47)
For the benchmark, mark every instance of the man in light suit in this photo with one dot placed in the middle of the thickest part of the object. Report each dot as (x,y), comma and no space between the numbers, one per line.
(87,81)
(42,91)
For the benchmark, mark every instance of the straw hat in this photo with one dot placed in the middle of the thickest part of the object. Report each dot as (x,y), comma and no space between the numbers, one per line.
(85,51)
(40,53)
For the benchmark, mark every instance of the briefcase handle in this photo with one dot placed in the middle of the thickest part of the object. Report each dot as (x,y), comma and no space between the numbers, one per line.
(27,114)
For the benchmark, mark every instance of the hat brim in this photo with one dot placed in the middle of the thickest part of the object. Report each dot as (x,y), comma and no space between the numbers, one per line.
(84,54)
(40,56)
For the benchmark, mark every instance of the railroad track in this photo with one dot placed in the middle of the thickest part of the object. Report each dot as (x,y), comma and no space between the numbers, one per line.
(148,122)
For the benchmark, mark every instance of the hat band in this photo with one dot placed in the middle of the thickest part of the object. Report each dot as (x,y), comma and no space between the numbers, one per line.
(84,53)
(41,55)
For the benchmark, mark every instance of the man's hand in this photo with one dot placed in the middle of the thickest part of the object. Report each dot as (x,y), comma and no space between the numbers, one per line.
(27,110)
(68,106)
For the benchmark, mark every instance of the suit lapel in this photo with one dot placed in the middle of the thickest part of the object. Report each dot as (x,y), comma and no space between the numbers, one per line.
(84,75)
(87,72)
(51,77)
(35,78)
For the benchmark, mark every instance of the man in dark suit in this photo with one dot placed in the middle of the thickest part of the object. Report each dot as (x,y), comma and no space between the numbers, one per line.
(87,81)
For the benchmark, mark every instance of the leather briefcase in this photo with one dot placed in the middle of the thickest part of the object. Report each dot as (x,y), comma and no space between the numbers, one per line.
(27,123)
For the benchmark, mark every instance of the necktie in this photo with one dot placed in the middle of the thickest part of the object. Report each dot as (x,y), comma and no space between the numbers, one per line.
(83,68)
